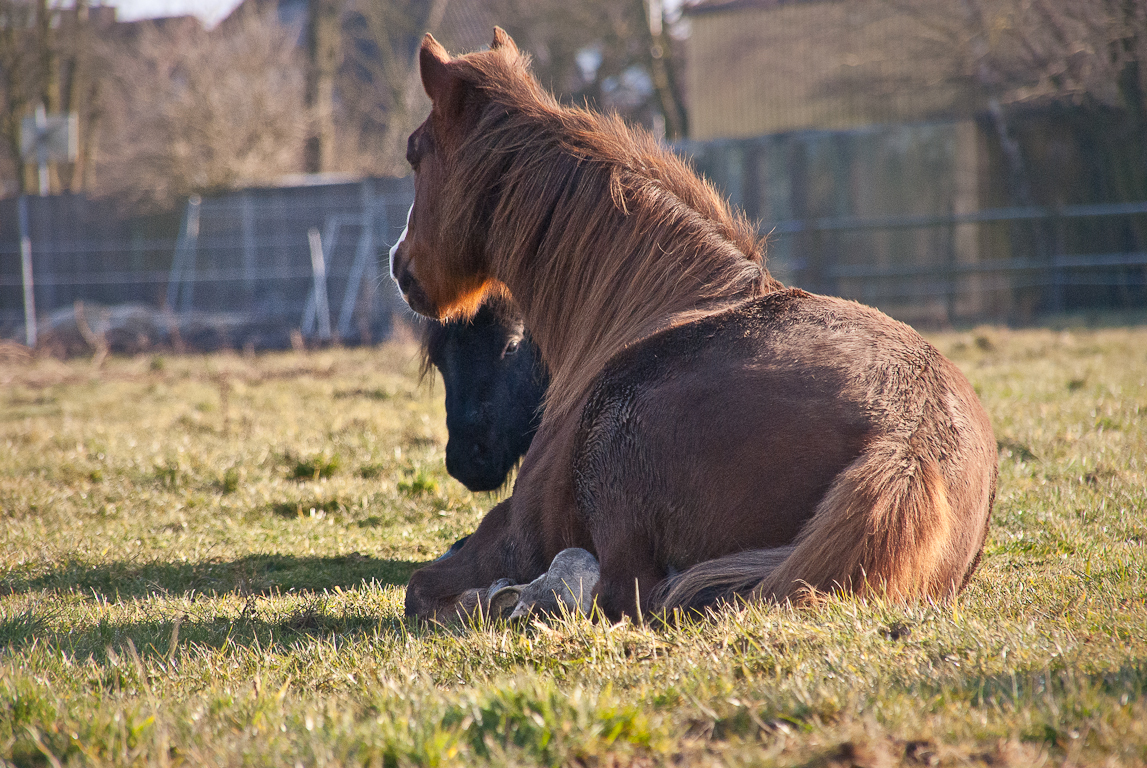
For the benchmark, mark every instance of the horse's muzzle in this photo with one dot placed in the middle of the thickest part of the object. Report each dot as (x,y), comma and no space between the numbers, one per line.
(412,291)
(473,464)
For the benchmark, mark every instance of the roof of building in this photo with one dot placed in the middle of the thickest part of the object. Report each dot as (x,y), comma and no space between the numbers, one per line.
(699,7)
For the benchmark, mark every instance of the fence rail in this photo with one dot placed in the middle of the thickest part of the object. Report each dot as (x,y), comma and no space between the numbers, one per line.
(1011,215)
(993,264)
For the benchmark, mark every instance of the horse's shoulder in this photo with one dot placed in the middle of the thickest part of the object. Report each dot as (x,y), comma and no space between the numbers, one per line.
(727,334)
(807,319)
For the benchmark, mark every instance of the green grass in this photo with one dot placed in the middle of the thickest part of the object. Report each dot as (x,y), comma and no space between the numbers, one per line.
(202,561)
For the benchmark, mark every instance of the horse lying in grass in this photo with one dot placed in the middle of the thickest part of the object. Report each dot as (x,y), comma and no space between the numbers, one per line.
(708,433)
(495,381)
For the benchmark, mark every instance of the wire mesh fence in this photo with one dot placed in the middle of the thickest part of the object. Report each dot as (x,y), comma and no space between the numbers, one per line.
(263,268)
(915,219)
(235,270)
(1002,265)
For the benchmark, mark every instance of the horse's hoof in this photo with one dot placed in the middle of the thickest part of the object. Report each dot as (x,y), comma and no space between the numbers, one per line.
(568,585)
(501,597)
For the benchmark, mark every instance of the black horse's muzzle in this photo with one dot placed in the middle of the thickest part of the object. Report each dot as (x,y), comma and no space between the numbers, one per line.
(475,465)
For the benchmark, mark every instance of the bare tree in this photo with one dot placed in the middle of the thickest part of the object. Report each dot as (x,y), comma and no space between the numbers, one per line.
(603,52)
(663,70)
(1032,51)
(1039,50)
(1090,54)
(324,53)
(193,111)
(17,85)
(615,55)
(51,56)
(381,93)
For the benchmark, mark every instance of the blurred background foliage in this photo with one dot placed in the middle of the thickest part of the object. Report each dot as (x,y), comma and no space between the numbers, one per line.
(167,107)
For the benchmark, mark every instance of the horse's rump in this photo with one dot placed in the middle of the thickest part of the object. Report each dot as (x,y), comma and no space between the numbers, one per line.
(728,435)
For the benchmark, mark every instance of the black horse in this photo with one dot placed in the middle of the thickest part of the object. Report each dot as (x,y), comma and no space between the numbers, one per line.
(495,381)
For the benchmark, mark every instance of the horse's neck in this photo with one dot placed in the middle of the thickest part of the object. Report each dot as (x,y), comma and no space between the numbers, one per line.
(580,319)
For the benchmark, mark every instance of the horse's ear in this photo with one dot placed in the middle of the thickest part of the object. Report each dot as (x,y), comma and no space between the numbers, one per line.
(432,61)
(502,40)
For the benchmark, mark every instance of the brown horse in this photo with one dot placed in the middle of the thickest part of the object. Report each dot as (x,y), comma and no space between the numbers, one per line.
(708,433)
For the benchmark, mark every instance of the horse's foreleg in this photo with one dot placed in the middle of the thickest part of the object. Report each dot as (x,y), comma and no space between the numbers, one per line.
(439,590)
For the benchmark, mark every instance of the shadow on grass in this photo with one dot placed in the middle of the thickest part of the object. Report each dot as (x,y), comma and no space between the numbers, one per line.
(259,625)
(251,575)
(253,582)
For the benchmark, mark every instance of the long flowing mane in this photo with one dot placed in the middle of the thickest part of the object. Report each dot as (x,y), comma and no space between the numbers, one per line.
(601,234)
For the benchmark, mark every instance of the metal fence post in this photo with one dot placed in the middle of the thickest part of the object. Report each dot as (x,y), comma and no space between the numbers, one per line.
(1058,246)
(183,262)
(815,256)
(950,271)
(26,270)
(192,246)
(327,243)
(247,225)
(363,256)
(319,271)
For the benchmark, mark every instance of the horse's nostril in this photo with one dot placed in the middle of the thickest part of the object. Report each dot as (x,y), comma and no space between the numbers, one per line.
(405,279)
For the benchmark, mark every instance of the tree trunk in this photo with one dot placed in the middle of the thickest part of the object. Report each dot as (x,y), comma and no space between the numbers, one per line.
(323,49)
(49,75)
(662,71)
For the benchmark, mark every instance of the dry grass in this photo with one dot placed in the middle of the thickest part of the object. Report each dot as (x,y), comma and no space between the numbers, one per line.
(202,562)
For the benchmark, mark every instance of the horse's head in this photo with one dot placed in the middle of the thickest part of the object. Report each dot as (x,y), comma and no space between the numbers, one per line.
(495,382)
(442,272)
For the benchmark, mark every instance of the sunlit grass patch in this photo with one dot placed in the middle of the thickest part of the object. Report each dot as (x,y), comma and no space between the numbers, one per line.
(316,467)
(184,579)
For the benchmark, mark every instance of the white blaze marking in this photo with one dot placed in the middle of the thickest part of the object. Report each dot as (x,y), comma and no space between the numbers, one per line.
(394,248)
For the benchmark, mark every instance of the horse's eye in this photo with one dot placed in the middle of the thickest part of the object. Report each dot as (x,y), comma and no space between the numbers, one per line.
(511,347)
(417,147)
(412,152)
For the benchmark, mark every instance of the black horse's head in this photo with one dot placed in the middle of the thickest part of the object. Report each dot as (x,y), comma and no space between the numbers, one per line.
(495,381)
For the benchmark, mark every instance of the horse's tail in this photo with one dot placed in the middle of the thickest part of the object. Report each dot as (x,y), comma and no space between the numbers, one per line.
(885,526)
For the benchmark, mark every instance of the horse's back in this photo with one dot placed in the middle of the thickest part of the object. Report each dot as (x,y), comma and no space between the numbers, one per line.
(724,434)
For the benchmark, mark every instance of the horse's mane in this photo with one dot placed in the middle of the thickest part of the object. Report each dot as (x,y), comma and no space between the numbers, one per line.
(604,234)
(433,334)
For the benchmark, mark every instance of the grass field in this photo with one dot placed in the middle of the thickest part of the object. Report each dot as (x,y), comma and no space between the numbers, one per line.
(202,562)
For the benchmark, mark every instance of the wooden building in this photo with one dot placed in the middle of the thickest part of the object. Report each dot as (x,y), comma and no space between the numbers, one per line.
(768,66)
